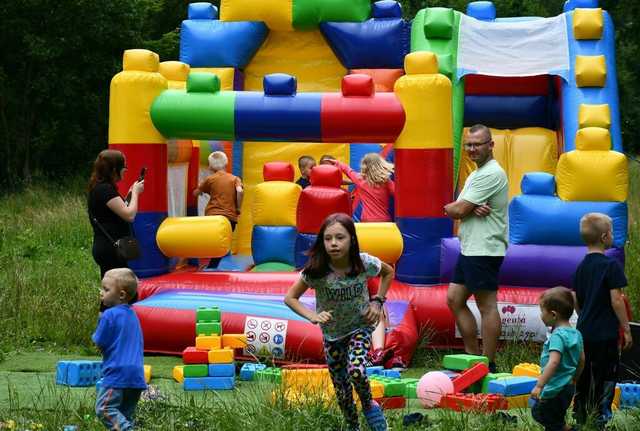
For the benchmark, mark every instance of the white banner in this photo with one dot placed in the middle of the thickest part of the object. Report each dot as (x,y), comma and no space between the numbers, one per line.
(265,337)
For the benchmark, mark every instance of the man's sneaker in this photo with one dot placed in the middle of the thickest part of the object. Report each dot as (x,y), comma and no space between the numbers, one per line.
(375,417)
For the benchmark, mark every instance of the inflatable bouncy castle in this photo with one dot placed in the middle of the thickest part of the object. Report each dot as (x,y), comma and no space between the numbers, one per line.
(268,82)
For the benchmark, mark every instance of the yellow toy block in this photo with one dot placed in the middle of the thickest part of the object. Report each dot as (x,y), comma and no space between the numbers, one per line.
(234,341)
(591,71)
(307,380)
(588,24)
(178,373)
(594,116)
(616,398)
(147,373)
(208,342)
(377,389)
(220,356)
(526,369)
(518,402)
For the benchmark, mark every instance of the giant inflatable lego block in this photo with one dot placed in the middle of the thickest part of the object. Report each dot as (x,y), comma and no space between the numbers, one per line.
(275,203)
(323,198)
(274,244)
(204,236)
(382,240)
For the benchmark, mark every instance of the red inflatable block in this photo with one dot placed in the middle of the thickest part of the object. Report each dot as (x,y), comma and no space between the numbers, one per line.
(278,171)
(424,181)
(485,403)
(359,118)
(383,79)
(316,203)
(326,176)
(502,86)
(191,355)
(469,376)
(154,158)
(388,403)
(358,84)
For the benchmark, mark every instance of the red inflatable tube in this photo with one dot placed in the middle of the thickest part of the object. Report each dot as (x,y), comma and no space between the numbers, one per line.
(478,85)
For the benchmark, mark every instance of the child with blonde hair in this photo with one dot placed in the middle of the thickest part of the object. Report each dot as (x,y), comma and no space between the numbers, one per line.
(373,185)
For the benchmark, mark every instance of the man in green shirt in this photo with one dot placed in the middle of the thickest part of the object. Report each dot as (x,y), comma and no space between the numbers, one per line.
(482,211)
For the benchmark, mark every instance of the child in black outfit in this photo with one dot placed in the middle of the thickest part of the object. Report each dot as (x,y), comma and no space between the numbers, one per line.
(305,164)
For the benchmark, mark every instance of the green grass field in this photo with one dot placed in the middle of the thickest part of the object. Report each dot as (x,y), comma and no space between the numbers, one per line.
(49,289)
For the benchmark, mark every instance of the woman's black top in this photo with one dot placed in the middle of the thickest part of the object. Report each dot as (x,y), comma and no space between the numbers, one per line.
(110,221)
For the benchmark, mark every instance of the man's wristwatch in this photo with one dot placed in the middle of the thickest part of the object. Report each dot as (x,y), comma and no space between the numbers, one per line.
(379,299)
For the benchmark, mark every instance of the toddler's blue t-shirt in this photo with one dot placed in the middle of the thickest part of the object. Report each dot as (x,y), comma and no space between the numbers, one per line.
(119,336)
(568,342)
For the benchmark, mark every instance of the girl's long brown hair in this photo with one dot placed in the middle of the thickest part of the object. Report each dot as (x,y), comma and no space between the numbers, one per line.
(318,264)
(106,168)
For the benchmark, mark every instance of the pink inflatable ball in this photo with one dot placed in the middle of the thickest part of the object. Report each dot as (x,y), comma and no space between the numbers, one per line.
(432,387)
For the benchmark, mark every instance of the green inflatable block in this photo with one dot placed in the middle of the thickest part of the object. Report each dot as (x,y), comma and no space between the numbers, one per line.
(308,14)
(445,65)
(273,267)
(196,370)
(208,314)
(462,362)
(203,82)
(438,23)
(208,328)
(490,377)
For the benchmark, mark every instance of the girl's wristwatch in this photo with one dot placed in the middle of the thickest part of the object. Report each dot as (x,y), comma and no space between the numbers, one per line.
(379,299)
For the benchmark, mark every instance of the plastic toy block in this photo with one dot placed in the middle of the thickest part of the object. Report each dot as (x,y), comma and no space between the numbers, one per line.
(178,373)
(248,370)
(512,386)
(234,341)
(208,383)
(78,373)
(463,361)
(309,379)
(147,373)
(196,370)
(518,401)
(616,397)
(452,374)
(410,388)
(220,356)
(208,328)
(378,369)
(211,314)
(191,355)
(273,375)
(491,377)
(222,370)
(526,369)
(474,402)
(394,388)
(208,342)
(377,389)
(388,403)
(629,395)
(470,376)
(393,374)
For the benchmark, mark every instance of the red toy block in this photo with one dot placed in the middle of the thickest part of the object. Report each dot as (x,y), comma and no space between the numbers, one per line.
(485,403)
(392,402)
(469,376)
(191,355)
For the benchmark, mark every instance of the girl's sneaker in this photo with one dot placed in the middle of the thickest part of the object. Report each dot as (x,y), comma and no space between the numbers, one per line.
(375,417)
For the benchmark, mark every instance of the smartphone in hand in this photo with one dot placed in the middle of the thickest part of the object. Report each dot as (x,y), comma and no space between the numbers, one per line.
(143,172)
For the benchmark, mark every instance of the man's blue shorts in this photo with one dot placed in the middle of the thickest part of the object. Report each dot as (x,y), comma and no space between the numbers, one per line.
(477,272)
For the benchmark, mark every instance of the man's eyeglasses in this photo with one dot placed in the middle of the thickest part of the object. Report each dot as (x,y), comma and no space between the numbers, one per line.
(475,145)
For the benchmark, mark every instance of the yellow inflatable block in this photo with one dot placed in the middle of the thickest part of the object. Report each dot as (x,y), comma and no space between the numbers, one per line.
(588,23)
(226,75)
(526,369)
(131,94)
(147,373)
(303,54)
(421,63)
(275,203)
(594,116)
(591,71)
(592,176)
(207,236)
(276,14)
(426,100)
(220,356)
(208,342)
(518,402)
(178,373)
(377,389)
(593,138)
(311,380)
(382,240)
(234,341)
(176,73)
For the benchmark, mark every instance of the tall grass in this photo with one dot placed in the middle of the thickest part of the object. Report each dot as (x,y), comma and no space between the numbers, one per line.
(632,263)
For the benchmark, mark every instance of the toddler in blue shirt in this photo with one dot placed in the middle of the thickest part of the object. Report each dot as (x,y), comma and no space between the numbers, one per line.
(119,338)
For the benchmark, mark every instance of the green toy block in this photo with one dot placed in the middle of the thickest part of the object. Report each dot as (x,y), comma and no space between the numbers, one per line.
(196,370)
(208,314)
(208,328)
(271,375)
(463,361)
(490,377)
(411,387)
(394,388)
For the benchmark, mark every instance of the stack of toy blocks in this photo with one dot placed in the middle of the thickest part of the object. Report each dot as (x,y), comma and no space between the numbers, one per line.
(389,389)
(209,365)
(78,373)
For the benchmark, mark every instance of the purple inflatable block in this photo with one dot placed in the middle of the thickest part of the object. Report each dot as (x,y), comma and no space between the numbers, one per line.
(526,264)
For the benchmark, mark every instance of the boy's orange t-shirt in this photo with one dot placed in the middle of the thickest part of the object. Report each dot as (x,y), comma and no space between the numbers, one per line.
(221,187)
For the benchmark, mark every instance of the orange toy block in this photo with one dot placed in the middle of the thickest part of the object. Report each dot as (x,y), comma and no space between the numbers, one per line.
(526,369)
(377,389)
(208,342)
(178,373)
(220,356)
(234,341)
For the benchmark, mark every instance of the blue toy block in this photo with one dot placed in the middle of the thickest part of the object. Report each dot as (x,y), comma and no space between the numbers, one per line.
(394,374)
(208,383)
(629,395)
(222,370)
(248,370)
(376,370)
(451,374)
(78,373)
(512,386)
